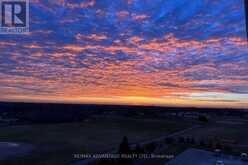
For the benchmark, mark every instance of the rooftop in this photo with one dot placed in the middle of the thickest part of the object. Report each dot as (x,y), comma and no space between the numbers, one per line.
(201,157)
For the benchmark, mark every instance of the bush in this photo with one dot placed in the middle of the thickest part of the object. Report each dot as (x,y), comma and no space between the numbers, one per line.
(210,144)
(227,148)
(188,140)
(192,140)
(202,143)
(139,150)
(150,147)
(106,162)
(169,140)
(181,140)
(203,118)
(219,146)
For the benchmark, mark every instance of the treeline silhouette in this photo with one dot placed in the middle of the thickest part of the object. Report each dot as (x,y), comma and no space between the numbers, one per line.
(53,113)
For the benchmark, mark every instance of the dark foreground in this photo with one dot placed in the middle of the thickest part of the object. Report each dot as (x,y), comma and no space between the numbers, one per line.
(43,134)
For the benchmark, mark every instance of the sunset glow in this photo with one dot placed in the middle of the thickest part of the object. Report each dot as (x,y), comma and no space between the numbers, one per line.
(137,52)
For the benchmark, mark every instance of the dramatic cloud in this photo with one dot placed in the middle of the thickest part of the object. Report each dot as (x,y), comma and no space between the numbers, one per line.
(173,52)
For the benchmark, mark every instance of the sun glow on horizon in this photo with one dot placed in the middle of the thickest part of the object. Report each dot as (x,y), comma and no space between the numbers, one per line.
(208,100)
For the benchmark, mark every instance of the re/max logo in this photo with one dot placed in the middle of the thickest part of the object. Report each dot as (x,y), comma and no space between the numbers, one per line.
(14,16)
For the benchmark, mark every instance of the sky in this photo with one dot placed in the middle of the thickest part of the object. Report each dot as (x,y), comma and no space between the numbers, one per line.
(137,52)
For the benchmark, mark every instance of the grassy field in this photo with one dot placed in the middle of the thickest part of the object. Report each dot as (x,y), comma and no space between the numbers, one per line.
(230,132)
(55,143)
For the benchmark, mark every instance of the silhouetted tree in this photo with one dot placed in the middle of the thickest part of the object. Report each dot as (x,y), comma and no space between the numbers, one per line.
(124,149)
(124,146)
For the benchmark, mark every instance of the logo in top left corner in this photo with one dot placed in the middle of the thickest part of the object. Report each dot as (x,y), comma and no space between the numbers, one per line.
(14,16)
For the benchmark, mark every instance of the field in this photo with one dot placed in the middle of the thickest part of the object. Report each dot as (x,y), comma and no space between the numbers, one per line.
(232,133)
(55,143)
(235,132)
(100,129)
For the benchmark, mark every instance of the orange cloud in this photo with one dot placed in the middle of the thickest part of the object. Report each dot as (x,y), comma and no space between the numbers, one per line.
(139,17)
(135,80)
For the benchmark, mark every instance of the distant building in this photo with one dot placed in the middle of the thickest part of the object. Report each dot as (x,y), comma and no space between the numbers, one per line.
(201,157)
